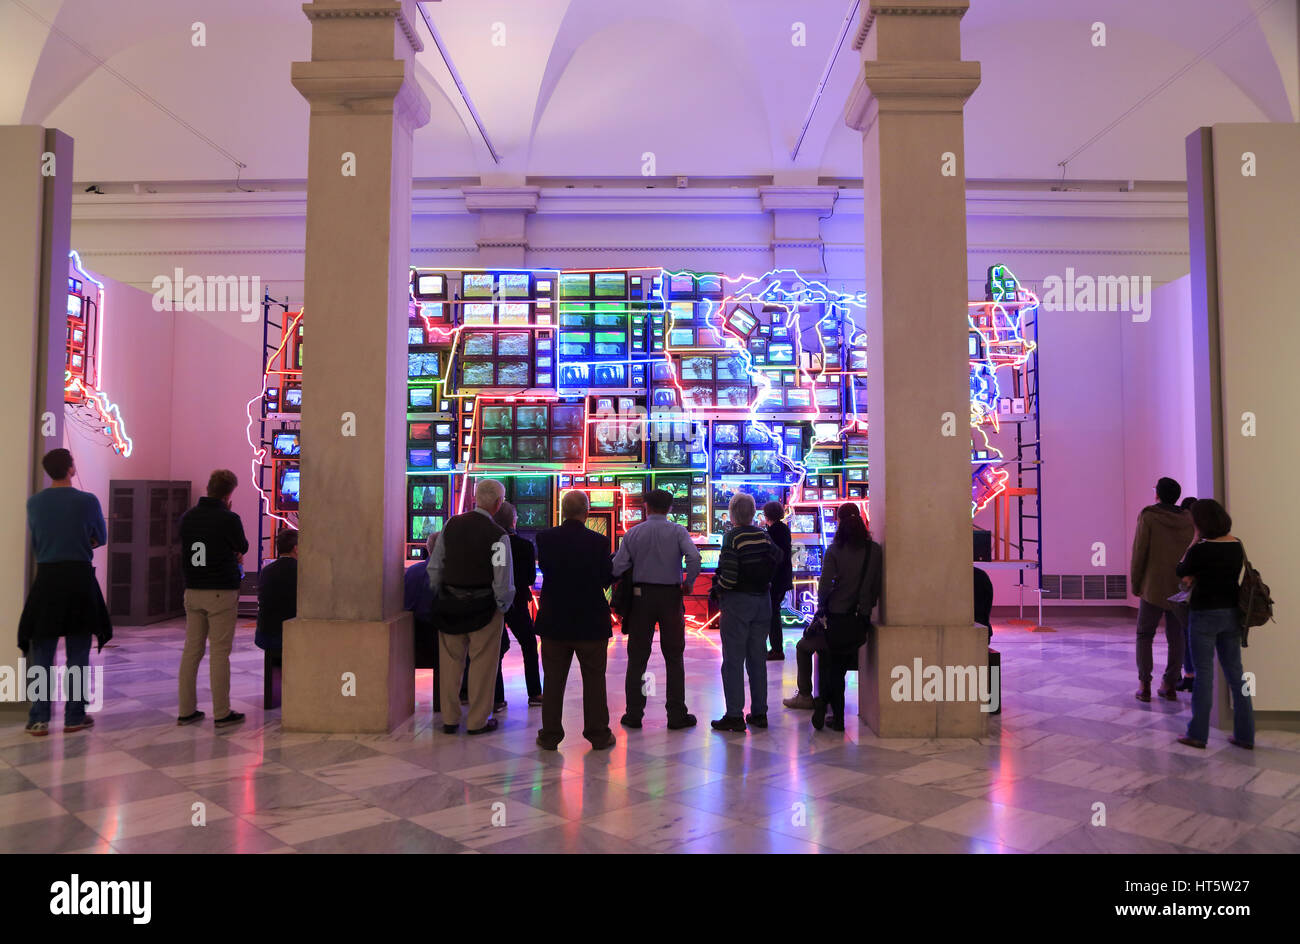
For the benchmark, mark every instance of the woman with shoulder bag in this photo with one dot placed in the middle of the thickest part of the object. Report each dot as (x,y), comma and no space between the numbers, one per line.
(847,591)
(1212,565)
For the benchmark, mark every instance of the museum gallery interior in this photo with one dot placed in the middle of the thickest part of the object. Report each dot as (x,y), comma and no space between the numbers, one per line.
(765,330)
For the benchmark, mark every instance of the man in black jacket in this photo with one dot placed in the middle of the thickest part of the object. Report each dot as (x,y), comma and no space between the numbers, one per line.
(573,619)
(277,594)
(782,580)
(212,551)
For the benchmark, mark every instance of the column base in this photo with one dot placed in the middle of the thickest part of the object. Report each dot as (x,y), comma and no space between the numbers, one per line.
(348,676)
(901,695)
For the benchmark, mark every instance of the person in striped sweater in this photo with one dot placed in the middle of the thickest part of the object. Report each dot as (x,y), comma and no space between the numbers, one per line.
(746,565)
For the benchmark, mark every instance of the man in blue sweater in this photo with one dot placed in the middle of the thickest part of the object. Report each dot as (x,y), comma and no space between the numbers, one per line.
(67,525)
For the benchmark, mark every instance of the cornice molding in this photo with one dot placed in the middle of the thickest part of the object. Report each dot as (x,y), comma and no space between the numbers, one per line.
(392,9)
(906,8)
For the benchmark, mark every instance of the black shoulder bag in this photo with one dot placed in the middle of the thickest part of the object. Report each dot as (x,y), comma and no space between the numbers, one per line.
(845,632)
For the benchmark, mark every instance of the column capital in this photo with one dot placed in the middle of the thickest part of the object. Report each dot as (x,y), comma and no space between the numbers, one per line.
(401,11)
(480,199)
(878,15)
(917,86)
(361,87)
(818,198)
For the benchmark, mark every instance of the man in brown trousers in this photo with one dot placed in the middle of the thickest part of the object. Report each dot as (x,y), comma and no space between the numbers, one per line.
(1163,532)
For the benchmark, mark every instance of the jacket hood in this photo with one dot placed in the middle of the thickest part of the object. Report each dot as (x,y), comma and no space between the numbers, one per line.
(1168,517)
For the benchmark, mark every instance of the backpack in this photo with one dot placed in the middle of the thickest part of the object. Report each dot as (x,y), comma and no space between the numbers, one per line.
(1254,601)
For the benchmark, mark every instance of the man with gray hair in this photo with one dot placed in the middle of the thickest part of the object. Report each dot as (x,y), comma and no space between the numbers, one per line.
(573,620)
(470,570)
(746,565)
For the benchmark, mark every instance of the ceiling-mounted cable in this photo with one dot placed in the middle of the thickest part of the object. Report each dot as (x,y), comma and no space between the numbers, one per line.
(455,77)
(826,75)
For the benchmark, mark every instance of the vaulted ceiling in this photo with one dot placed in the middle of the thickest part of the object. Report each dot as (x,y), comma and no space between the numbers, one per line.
(582,88)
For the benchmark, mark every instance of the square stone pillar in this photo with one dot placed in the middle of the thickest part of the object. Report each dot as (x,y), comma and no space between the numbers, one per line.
(35,228)
(349,657)
(907,103)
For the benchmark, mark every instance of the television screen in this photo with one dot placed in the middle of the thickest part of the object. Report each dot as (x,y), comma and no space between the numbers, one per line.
(632,486)
(782,353)
(682,284)
(698,395)
(530,417)
(682,337)
(292,398)
(530,448)
(566,448)
(477,344)
(633,516)
(532,516)
(602,497)
(680,517)
(513,374)
(414,335)
(804,523)
(514,313)
(697,368)
(733,395)
(756,435)
(74,306)
(566,419)
(763,462)
(742,322)
(726,434)
(289,485)
(424,525)
(611,285)
(496,448)
(709,284)
(732,368)
(676,487)
(285,444)
(420,458)
(575,285)
(798,397)
(496,417)
(420,398)
(709,557)
(609,316)
(422,365)
(513,344)
(480,313)
(610,375)
(664,396)
(513,285)
(535,487)
(429,286)
(729,462)
(672,454)
(427,497)
(417,432)
(477,285)
(616,439)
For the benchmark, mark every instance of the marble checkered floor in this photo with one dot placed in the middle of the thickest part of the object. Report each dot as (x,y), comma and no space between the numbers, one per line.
(1070,736)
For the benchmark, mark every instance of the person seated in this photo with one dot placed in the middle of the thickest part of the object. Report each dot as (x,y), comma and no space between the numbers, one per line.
(277,595)
(984,601)
(417,598)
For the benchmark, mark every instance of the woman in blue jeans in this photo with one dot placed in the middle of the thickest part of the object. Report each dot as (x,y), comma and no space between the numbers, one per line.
(1212,565)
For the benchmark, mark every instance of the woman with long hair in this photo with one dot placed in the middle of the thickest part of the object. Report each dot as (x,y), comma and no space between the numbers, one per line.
(1212,565)
(847,592)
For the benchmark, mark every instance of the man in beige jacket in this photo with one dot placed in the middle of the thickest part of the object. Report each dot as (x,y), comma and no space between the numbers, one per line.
(1163,532)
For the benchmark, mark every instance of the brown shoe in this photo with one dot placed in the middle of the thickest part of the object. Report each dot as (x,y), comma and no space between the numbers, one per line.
(1168,694)
(1192,742)
(1143,693)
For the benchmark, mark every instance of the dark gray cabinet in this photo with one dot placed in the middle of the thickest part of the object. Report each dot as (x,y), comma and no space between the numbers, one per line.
(145,583)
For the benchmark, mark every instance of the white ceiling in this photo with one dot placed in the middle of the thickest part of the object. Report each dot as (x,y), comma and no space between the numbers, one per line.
(581,88)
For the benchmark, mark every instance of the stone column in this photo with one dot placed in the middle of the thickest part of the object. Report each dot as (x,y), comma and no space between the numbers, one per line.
(348,657)
(35,228)
(502,223)
(796,225)
(907,102)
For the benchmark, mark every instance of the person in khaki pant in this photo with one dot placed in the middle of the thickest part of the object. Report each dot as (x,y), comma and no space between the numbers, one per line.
(1162,535)
(471,570)
(212,551)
